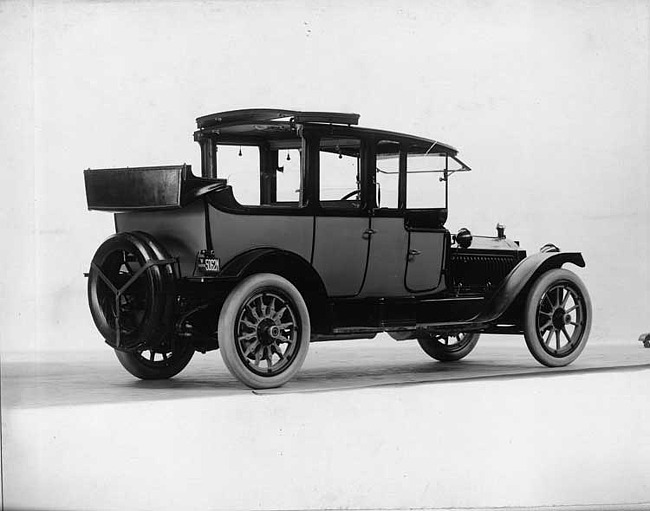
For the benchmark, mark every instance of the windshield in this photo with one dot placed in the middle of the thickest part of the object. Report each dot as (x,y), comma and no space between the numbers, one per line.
(427,173)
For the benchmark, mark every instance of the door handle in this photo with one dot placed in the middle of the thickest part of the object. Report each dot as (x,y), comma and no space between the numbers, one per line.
(367,233)
(412,253)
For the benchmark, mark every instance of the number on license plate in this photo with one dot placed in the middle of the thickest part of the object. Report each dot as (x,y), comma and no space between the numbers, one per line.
(211,264)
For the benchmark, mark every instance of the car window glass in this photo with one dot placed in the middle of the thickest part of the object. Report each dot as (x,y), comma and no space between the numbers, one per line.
(288,175)
(241,167)
(387,177)
(424,187)
(339,169)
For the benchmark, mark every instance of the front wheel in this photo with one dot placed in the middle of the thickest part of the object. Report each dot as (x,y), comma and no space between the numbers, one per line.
(449,348)
(557,318)
(264,331)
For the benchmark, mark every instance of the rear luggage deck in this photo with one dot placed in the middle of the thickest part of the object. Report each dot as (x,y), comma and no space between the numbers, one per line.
(145,188)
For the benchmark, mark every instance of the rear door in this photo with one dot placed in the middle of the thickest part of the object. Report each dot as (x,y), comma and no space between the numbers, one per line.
(389,238)
(341,224)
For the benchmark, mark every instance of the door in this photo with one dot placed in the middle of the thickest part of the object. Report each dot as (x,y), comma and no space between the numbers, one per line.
(424,260)
(387,253)
(389,239)
(341,222)
(425,217)
(340,253)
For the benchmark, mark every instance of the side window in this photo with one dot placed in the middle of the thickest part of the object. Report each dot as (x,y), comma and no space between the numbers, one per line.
(288,176)
(339,172)
(240,165)
(425,187)
(387,174)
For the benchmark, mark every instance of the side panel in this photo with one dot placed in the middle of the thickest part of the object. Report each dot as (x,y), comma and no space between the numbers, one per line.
(180,231)
(340,253)
(388,246)
(424,261)
(233,234)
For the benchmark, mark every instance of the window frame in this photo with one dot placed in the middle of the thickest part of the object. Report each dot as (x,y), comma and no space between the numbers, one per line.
(400,178)
(267,174)
(445,179)
(403,177)
(313,137)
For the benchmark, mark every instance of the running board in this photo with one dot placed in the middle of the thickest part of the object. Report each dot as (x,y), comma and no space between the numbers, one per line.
(377,315)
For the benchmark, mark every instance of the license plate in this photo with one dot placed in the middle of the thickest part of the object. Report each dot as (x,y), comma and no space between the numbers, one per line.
(211,264)
(206,262)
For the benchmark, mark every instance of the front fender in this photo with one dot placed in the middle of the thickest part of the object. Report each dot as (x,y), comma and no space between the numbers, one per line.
(521,276)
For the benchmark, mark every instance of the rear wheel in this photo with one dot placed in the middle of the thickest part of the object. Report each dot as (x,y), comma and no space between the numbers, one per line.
(157,363)
(264,331)
(449,348)
(557,318)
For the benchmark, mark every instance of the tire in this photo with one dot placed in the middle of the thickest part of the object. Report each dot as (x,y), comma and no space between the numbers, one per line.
(264,321)
(440,347)
(557,318)
(156,364)
(145,306)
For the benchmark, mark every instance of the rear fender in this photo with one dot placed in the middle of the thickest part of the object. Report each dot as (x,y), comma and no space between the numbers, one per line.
(520,278)
(290,266)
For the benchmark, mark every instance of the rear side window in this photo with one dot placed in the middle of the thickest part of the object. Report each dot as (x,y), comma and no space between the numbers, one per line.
(240,165)
(288,177)
(339,172)
(387,174)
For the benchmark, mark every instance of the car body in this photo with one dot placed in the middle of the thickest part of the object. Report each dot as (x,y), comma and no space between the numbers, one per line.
(302,227)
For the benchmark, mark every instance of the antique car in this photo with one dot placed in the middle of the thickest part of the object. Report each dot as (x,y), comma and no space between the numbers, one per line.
(305,227)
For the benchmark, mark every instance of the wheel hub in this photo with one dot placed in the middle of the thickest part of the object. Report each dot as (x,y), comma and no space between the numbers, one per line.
(560,318)
(267,331)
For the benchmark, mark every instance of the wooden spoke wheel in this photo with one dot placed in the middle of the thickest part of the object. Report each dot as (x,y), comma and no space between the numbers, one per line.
(557,318)
(264,331)
(449,348)
(158,363)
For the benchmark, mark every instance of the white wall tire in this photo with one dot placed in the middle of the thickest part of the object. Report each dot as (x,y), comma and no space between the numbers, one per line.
(264,331)
(557,318)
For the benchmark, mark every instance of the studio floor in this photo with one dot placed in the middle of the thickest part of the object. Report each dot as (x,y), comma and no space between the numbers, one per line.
(372,424)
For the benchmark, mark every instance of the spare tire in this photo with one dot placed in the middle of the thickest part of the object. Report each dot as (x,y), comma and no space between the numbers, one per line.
(131,297)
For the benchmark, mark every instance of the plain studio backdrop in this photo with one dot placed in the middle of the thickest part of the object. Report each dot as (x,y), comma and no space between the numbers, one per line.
(546,100)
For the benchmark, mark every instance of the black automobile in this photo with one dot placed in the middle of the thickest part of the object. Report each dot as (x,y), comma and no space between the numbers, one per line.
(306,227)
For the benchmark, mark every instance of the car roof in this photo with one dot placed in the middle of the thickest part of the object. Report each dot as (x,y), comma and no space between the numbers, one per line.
(268,123)
(273,114)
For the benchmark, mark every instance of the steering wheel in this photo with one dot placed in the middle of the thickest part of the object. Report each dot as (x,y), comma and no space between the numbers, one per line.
(351,194)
